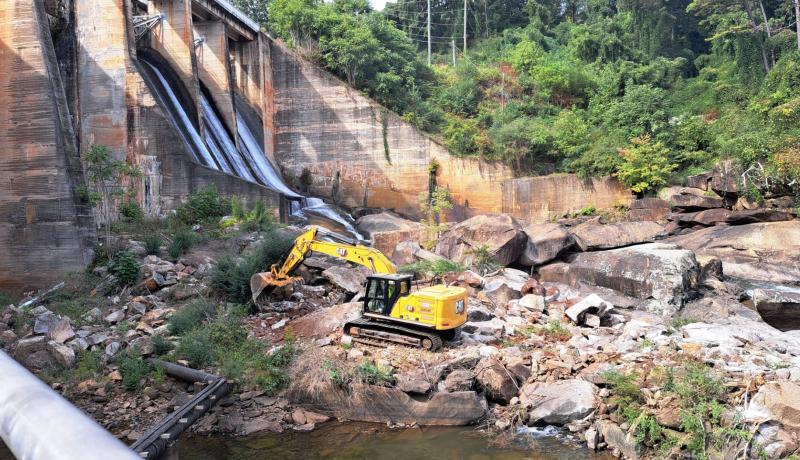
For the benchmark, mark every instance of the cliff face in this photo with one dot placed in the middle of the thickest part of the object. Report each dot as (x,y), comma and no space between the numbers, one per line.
(44,230)
(360,154)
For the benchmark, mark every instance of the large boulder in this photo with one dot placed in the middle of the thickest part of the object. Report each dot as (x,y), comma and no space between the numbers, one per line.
(369,403)
(501,234)
(648,209)
(781,309)
(591,236)
(545,242)
(559,402)
(777,401)
(721,215)
(687,198)
(351,279)
(723,179)
(386,230)
(767,251)
(661,276)
(495,380)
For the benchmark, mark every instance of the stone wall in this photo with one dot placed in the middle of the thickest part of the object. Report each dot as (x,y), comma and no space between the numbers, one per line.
(335,132)
(44,230)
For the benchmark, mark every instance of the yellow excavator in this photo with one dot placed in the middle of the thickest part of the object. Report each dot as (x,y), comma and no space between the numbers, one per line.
(392,313)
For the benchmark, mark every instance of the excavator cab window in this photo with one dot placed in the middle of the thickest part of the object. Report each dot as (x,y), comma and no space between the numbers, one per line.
(383,293)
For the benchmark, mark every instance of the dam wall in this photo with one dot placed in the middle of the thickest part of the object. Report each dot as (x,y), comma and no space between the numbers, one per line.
(137,77)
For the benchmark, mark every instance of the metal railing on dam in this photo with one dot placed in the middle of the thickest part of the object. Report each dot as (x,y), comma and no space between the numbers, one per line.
(36,423)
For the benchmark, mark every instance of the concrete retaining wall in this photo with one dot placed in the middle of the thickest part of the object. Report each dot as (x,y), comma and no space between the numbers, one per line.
(44,230)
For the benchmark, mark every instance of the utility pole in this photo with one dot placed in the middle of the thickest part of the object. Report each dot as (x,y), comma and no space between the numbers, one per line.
(465,27)
(453,46)
(429,32)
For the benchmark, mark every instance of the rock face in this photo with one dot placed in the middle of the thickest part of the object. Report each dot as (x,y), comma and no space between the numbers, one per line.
(591,236)
(560,402)
(660,275)
(348,278)
(721,215)
(687,198)
(545,243)
(652,209)
(386,230)
(502,235)
(368,403)
(781,309)
(493,377)
(764,251)
(777,401)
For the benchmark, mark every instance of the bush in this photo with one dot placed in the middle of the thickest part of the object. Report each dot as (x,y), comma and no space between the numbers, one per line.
(196,347)
(87,365)
(482,260)
(190,317)
(646,165)
(161,346)
(152,244)
(133,369)
(183,240)
(131,212)
(125,267)
(231,276)
(372,374)
(205,205)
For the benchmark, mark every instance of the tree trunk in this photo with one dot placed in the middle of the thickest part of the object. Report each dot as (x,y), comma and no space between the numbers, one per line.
(754,27)
(797,19)
(769,30)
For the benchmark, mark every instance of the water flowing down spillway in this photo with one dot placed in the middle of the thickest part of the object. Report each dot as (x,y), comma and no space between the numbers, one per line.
(217,149)
(219,136)
(184,124)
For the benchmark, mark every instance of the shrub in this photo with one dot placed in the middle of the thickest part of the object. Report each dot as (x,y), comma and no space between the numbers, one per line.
(372,374)
(190,317)
(183,240)
(133,369)
(196,348)
(588,210)
(482,260)
(205,205)
(437,268)
(231,276)
(646,165)
(152,244)
(161,346)
(131,212)
(87,365)
(125,267)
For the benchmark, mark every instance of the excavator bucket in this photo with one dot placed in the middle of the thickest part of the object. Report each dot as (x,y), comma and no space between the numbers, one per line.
(262,284)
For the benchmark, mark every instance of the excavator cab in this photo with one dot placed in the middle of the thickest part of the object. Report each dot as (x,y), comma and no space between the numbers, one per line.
(383,291)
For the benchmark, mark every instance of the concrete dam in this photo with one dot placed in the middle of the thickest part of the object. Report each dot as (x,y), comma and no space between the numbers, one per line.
(193,93)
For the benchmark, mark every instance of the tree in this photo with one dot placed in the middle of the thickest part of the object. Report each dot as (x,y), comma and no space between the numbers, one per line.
(106,176)
(646,166)
(432,208)
(256,9)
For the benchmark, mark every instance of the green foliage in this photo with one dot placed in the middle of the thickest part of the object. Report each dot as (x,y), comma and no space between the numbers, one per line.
(134,369)
(241,359)
(588,210)
(191,316)
(182,241)
(161,345)
(125,266)
(437,268)
(482,260)
(7,299)
(88,365)
(152,243)
(646,165)
(203,206)
(231,277)
(372,374)
(433,206)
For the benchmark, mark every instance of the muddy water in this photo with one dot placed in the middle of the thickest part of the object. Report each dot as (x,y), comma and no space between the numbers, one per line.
(376,442)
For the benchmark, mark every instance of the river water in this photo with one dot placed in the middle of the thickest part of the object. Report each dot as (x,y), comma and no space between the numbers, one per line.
(340,441)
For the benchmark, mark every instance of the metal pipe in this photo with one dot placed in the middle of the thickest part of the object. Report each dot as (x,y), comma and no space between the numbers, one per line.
(36,423)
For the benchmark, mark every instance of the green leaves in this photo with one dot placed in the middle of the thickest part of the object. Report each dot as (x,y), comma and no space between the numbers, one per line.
(646,165)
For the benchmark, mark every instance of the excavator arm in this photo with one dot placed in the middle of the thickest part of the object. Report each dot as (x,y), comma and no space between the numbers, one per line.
(280,274)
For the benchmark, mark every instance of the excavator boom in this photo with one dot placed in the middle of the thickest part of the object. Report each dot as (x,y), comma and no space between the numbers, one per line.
(280,274)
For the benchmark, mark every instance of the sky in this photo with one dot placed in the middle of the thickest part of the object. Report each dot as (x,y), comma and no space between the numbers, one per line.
(379,4)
